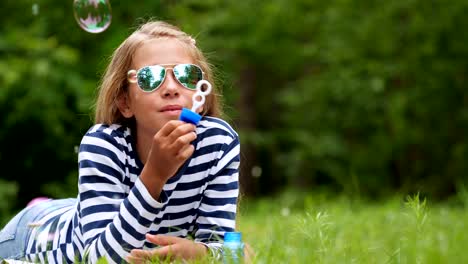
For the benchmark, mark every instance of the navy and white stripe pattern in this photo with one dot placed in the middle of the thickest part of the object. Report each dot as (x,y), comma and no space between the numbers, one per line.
(115,210)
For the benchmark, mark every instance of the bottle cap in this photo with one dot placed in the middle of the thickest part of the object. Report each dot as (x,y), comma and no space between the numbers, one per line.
(232,237)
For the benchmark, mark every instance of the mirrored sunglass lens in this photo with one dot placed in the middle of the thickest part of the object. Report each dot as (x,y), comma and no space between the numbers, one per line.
(150,77)
(188,75)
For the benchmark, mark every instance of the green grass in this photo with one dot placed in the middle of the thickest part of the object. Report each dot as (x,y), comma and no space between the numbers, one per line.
(320,229)
(306,228)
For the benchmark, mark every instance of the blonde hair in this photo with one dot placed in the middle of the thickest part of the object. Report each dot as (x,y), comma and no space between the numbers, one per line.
(114,83)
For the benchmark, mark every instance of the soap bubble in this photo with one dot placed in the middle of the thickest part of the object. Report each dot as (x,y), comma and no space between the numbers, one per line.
(35,9)
(94,16)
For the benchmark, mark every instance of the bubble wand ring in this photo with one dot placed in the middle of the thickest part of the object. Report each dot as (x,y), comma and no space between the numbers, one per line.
(191,115)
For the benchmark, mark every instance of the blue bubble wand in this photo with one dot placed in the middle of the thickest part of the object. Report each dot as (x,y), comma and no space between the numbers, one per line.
(198,99)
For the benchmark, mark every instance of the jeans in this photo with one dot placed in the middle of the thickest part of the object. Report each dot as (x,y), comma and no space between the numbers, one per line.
(14,236)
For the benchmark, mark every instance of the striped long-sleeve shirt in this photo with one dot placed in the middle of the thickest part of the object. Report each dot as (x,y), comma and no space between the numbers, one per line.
(114,210)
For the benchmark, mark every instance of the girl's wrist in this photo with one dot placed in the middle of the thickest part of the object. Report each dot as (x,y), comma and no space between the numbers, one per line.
(202,249)
(153,184)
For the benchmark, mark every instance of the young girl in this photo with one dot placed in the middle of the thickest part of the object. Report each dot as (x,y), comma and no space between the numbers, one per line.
(150,186)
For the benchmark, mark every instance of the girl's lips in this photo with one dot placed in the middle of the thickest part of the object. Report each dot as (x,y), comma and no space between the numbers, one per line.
(171,108)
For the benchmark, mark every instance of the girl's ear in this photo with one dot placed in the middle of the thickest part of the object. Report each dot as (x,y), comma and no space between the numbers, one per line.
(124,106)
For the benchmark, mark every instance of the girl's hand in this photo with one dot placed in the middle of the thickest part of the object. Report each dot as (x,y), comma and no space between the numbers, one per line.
(170,148)
(171,247)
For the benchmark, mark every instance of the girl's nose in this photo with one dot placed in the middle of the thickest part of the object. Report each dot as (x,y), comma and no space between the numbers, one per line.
(170,86)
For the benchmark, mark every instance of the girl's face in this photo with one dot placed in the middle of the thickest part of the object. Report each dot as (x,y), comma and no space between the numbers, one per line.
(154,109)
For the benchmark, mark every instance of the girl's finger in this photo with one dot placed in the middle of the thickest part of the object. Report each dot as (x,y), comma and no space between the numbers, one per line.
(180,130)
(169,127)
(183,141)
(135,260)
(140,253)
(158,253)
(162,240)
(185,152)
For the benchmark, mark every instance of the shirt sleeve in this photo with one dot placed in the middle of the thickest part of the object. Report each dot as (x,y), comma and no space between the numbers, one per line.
(114,217)
(217,211)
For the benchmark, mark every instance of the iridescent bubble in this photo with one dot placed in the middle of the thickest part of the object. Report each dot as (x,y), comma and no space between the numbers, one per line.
(35,9)
(93,16)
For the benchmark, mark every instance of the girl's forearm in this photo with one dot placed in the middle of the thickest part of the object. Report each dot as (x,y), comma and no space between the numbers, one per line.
(152,182)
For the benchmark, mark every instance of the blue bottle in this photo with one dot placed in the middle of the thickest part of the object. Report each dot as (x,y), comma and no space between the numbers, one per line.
(233,248)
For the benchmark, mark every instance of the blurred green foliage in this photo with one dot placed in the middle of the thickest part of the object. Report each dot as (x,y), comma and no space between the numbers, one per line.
(363,97)
(8,192)
(367,98)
